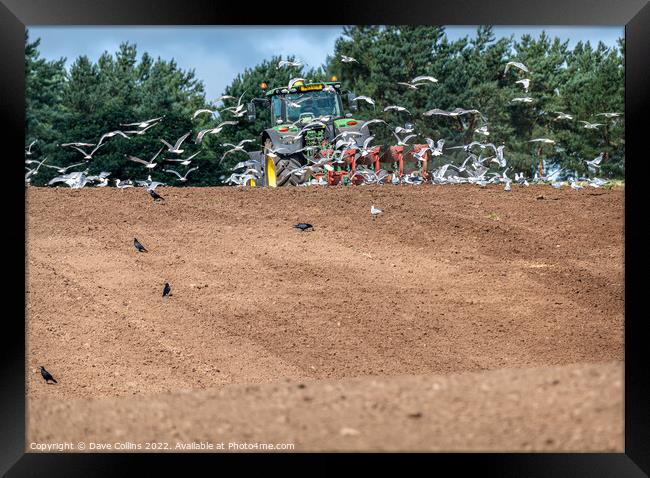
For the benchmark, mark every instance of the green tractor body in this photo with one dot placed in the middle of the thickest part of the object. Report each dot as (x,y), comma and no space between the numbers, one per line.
(304,116)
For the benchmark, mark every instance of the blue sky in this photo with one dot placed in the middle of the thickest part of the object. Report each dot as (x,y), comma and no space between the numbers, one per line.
(218,54)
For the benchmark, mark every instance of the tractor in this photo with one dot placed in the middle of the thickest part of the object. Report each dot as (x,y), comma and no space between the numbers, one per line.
(310,115)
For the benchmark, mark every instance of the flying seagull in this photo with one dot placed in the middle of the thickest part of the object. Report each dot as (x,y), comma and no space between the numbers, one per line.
(47,375)
(216,130)
(28,152)
(589,125)
(289,63)
(110,135)
(89,156)
(525,83)
(143,124)
(184,162)
(516,64)
(396,108)
(238,147)
(184,177)
(562,116)
(175,149)
(367,99)
(147,164)
(348,59)
(139,246)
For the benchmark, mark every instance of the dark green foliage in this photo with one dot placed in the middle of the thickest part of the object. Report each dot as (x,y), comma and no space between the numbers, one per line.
(94,98)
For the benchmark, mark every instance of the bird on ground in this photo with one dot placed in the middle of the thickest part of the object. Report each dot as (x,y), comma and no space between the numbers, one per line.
(47,375)
(215,130)
(507,187)
(303,226)
(182,178)
(348,59)
(175,149)
(123,184)
(515,64)
(139,246)
(155,195)
(374,212)
(367,99)
(167,289)
(147,164)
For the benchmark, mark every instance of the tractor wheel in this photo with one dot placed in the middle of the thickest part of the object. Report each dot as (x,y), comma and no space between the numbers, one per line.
(283,167)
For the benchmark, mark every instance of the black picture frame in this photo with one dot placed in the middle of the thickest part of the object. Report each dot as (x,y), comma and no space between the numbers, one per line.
(634,14)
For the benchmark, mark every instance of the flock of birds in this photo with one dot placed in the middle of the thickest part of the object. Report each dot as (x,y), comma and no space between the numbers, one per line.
(475,169)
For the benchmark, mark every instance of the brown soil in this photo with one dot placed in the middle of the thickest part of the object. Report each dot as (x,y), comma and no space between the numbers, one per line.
(447,280)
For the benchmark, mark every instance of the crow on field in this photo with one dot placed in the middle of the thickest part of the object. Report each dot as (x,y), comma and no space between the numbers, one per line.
(47,376)
(167,289)
(139,246)
(303,226)
(155,195)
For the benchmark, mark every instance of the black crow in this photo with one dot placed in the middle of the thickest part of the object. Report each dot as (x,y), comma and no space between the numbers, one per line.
(139,246)
(167,289)
(155,195)
(47,376)
(303,226)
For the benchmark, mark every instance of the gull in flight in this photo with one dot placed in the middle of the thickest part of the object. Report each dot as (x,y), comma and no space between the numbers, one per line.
(516,64)
(110,135)
(400,130)
(61,169)
(374,211)
(403,142)
(34,172)
(184,177)
(89,156)
(289,63)
(147,164)
(348,59)
(204,110)
(293,81)
(542,140)
(526,99)
(482,130)
(412,86)
(525,83)
(79,145)
(184,162)
(202,133)
(372,121)
(28,151)
(396,108)
(367,99)
(589,125)
(562,116)
(143,124)
(609,115)
(435,148)
(594,163)
(238,147)
(175,149)
(419,79)
(141,131)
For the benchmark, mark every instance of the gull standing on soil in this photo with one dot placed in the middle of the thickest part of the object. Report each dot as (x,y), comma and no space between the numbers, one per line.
(374,211)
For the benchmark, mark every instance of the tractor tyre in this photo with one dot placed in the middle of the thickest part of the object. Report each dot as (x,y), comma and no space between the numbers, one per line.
(283,167)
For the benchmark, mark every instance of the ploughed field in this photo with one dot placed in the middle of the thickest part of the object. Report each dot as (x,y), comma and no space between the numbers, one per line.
(461,318)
